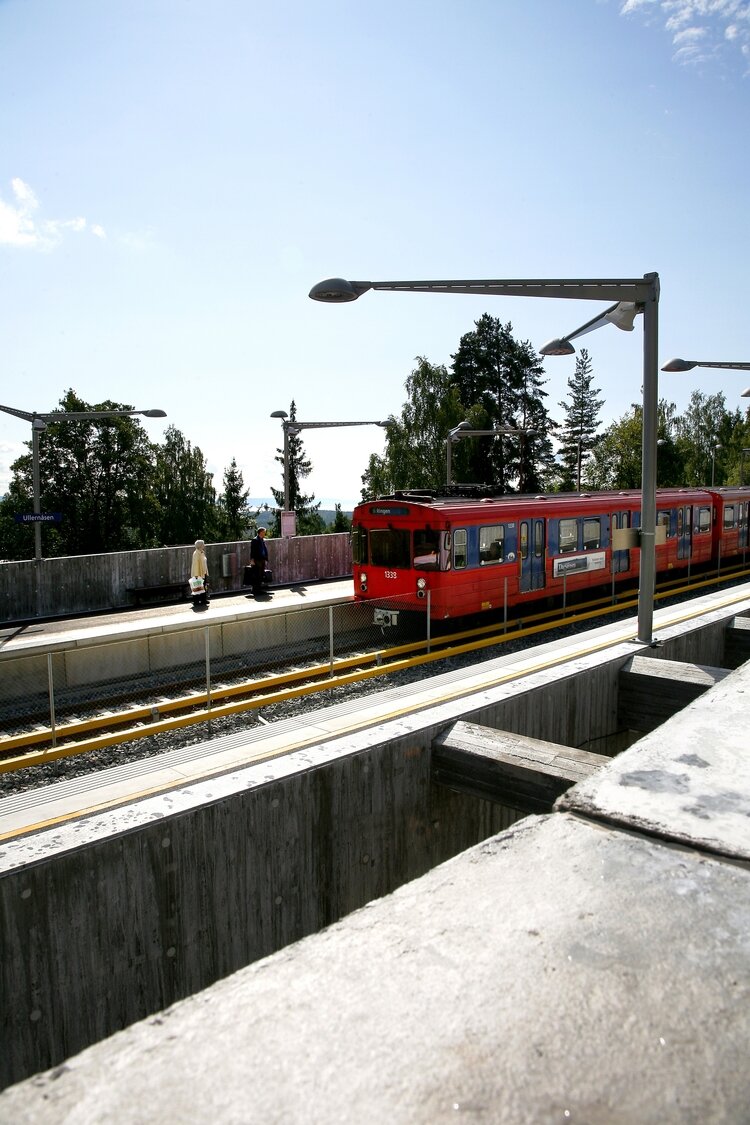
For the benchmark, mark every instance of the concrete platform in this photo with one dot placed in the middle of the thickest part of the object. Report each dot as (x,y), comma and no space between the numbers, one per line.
(106,628)
(591,966)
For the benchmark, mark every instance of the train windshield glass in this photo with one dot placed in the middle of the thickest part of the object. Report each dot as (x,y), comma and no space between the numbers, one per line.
(390,548)
(426,549)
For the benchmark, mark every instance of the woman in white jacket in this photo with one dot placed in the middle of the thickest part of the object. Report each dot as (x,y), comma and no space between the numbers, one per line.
(199,569)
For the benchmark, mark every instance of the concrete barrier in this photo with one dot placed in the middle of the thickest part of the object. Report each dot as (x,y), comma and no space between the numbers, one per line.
(112,917)
(90,583)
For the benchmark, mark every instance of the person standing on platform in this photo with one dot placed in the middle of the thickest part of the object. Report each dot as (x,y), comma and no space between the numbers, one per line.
(258,560)
(199,569)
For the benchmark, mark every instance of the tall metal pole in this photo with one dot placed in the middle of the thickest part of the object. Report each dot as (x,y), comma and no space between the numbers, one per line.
(286,465)
(35,429)
(647,583)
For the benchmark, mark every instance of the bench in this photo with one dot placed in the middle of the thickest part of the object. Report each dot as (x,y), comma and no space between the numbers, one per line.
(164,592)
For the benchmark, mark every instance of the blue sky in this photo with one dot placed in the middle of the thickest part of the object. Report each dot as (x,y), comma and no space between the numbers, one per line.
(175,176)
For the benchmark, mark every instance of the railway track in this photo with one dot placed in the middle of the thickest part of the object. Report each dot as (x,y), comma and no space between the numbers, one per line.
(145,717)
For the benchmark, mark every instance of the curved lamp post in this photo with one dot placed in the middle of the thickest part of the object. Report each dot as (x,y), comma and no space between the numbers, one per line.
(39,424)
(689,364)
(294,427)
(464,429)
(631,296)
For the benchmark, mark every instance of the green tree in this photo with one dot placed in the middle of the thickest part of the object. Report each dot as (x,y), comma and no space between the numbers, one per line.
(309,520)
(341,521)
(183,491)
(705,426)
(415,455)
(616,459)
(578,432)
(234,516)
(500,380)
(96,474)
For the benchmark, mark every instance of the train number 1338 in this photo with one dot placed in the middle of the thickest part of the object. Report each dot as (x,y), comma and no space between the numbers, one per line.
(390,574)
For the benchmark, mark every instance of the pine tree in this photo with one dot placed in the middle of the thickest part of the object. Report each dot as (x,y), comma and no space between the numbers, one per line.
(234,514)
(309,521)
(500,382)
(578,435)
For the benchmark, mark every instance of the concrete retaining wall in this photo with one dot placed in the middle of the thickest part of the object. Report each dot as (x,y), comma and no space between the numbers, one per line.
(91,583)
(108,919)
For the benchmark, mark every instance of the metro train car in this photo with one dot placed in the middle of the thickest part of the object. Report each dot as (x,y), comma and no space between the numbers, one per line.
(463,553)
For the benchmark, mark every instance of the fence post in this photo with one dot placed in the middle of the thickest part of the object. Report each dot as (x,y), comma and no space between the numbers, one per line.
(330,638)
(429,618)
(208,667)
(51,690)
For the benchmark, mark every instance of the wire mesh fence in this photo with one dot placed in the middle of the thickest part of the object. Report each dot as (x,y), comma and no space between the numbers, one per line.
(76,683)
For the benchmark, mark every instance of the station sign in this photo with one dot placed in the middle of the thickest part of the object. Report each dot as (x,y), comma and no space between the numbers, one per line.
(38,517)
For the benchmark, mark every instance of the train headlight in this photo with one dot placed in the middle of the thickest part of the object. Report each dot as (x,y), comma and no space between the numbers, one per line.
(421,583)
(363,581)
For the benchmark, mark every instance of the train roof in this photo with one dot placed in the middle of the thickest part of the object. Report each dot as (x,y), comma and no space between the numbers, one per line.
(463,496)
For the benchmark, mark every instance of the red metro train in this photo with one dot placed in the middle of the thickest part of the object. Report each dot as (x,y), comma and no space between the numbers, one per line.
(462,554)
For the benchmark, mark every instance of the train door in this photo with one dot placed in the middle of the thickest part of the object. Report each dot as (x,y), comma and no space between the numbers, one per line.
(743,536)
(620,559)
(684,532)
(532,551)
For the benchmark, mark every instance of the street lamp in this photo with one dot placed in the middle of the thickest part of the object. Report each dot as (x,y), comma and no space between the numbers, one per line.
(689,364)
(713,463)
(294,427)
(745,449)
(631,296)
(39,424)
(464,429)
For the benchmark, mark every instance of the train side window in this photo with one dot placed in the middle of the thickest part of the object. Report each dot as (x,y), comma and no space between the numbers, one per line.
(426,548)
(359,545)
(568,539)
(664,519)
(592,534)
(491,543)
(523,544)
(538,538)
(680,522)
(704,519)
(459,548)
(729,520)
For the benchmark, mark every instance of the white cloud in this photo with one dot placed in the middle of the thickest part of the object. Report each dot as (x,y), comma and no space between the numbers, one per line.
(699,28)
(20,225)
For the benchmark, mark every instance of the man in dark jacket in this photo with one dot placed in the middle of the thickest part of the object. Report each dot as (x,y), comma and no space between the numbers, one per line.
(258,560)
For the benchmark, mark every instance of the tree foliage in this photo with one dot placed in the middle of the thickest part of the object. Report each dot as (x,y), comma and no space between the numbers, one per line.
(578,433)
(183,491)
(415,455)
(234,518)
(114,489)
(309,520)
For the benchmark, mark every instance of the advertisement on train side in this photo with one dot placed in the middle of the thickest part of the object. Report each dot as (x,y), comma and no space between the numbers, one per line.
(576,564)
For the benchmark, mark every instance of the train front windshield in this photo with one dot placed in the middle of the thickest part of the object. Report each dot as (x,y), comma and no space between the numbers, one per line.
(394,548)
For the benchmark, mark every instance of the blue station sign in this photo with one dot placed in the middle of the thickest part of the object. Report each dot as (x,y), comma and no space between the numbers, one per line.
(38,517)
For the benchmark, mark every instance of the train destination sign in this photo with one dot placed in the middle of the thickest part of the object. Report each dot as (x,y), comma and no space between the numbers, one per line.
(38,517)
(389,510)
